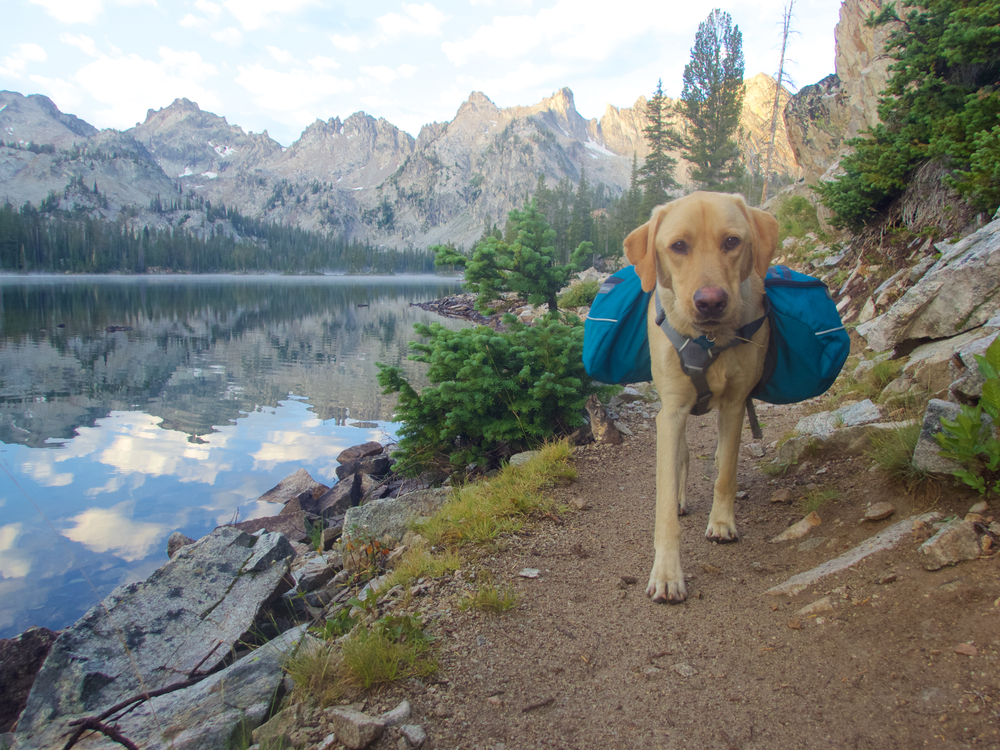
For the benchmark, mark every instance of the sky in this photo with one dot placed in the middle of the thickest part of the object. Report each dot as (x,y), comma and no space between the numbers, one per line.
(281,64)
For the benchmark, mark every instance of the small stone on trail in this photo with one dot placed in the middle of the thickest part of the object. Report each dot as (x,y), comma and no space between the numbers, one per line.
(684,670)
(982,507)
(742,495)
(756,450)
(811,543)
(891,578)
(530,573)
(578,503)
(413,735)
(817,607)
(795,623)
(966,649)
(954,543)
(798,530)
(355,729)
(630,580)
(782,496)
(396,716)
(879,511)
(710,569)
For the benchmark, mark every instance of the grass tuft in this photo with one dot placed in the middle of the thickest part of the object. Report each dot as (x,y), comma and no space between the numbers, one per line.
(393,649)
(489,598)
(892,452)
(816,499)
(498,505)
(316,668)
(418,562)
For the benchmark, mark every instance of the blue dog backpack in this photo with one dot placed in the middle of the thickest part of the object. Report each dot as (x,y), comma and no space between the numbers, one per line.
(808,344)
(806,351)
(615,342)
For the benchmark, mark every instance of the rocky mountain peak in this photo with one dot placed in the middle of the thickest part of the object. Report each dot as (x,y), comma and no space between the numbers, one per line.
(37,119)
(477,105)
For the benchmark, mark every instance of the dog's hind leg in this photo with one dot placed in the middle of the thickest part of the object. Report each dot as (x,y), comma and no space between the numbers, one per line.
(666,580)
(722,519)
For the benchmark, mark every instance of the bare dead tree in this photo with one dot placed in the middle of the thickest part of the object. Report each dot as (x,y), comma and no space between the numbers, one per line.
(786,28)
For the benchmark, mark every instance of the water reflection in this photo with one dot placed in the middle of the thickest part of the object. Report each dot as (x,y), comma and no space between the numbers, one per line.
(221,388)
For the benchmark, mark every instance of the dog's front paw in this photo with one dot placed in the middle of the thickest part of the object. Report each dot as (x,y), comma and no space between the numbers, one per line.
(663,591)
(723,533)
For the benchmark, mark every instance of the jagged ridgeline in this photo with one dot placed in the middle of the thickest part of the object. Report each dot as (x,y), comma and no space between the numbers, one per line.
(341,197)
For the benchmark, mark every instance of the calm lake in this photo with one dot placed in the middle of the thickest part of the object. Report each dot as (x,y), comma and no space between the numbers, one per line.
(111,441)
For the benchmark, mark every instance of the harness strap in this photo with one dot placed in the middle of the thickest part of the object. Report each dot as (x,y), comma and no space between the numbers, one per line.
(697,355)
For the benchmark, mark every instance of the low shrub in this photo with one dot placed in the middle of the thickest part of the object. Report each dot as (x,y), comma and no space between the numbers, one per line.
(581,295)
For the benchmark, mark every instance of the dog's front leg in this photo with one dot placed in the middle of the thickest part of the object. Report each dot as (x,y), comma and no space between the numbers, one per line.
(666,581)
(722,519)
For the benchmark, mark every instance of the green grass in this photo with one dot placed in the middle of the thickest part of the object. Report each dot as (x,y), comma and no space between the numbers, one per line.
(395,648)
(490,598)
(317,671)
(816,499)
(418,562)
(498,505)
(892,452)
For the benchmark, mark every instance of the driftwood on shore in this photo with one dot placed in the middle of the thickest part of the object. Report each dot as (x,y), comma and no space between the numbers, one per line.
(460,306)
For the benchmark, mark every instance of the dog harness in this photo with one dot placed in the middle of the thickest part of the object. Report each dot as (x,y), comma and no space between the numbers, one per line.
(697,355)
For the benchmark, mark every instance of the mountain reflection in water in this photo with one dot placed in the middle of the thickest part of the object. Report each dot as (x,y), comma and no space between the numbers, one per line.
(222,387)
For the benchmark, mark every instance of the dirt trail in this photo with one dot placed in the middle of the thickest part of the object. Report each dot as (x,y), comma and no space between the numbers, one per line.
(587,661)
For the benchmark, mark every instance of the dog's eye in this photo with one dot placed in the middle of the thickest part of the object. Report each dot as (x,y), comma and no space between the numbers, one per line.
(732,243)
(680,247)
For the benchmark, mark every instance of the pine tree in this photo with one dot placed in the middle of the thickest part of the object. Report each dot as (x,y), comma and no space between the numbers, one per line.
(711,103)
(658,170)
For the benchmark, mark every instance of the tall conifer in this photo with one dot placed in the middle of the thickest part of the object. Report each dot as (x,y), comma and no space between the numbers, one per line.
(657,175)
(711,103)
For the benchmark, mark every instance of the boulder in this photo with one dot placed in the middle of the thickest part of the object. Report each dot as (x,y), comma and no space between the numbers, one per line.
(186,617)
(966,380)
(842,440)
(959,293)
(827,422)
(343,495)
(209,715)
(359,451)
(304,502)
(292,525)
(926,455)
(20,660)
(176,541)
(292,486)
(355,729)
(930,365)
(956,542)
(376,466)
(392,515)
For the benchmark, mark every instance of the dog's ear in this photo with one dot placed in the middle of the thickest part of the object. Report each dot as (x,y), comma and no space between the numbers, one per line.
(767,234)
(640,249)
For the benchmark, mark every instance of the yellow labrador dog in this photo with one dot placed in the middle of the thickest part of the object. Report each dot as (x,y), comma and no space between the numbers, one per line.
(706,255)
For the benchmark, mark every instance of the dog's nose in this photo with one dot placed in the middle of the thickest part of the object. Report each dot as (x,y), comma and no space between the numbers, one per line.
(711,301)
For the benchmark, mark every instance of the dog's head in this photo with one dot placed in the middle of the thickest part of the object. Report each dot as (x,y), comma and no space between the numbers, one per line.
(703,247)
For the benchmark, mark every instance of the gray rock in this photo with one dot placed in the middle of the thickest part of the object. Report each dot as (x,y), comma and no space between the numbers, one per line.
(967,381)
(930,365)
(291,486)
(955,543)
(343,495)
(314,574)
(377,466)
(290,525)
(520,459)
(355,729)
(865,366)
(959,293)
(843,440)
(269,549)
(926,456)
(396,716)
(885,539)
(20,660)
(413,735)
(188,615)
(392,515)
(852,415)
(879,511)
(176,541)
(359,451)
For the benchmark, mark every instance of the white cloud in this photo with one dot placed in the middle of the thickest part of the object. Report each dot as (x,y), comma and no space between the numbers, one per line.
(416,20)
(321,62)
(282,56)
(230,36)
(386,75)
(255,14)
(82,42)
(346,43)
(210,9)
(65,94)
(16,63)
(72,11)
(508,37)
(113,530)
(191,21)
(13,564)
(406,71)
(128,84)
(82,11)
(289,91)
